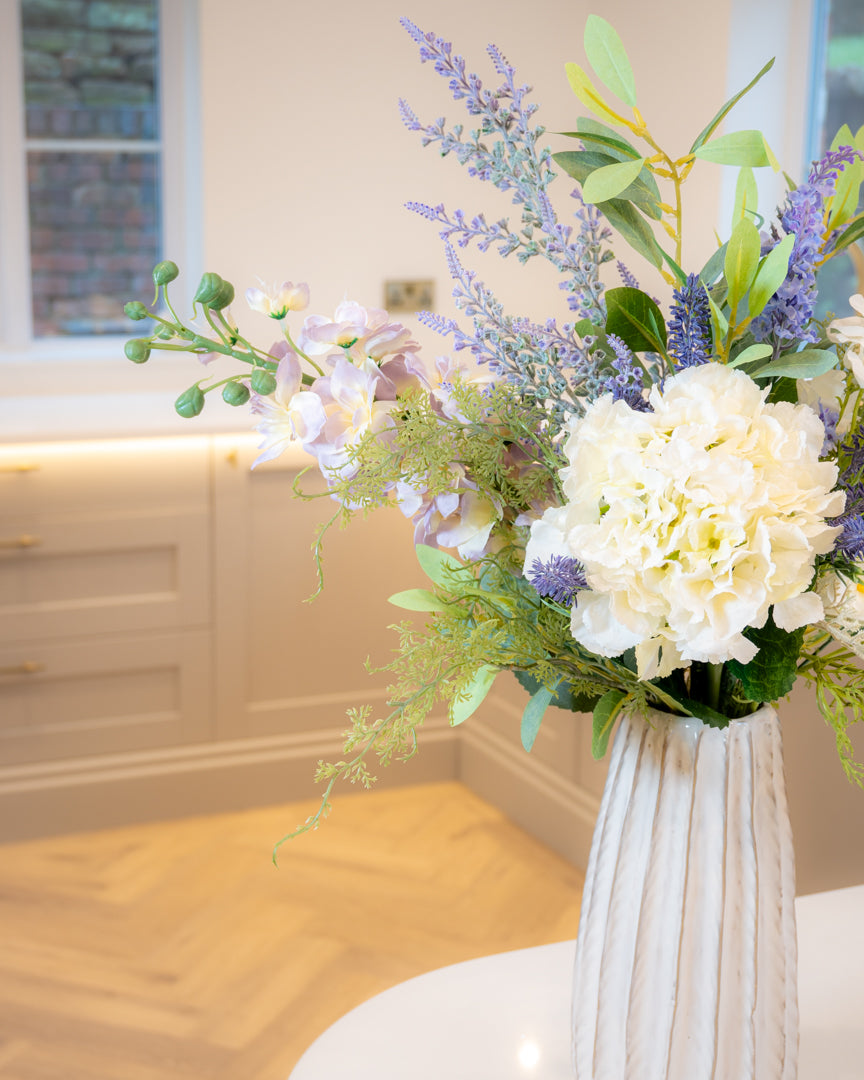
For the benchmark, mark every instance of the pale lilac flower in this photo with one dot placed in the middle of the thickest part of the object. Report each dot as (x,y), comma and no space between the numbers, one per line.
(461,518)
(289,414)
(279,299)
(348,398)
(356,332)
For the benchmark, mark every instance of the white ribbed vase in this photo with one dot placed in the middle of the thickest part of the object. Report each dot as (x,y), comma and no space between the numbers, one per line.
(686,956)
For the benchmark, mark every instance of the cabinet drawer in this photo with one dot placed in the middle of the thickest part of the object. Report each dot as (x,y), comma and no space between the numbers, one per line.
(103,695)
(103,575)
(67,479)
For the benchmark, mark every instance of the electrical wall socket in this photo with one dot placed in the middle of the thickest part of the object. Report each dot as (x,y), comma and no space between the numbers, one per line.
(402,295)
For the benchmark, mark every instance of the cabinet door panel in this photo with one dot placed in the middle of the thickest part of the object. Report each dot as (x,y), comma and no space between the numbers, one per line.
(67,479)
(103,575)
(286,666)
(103,695)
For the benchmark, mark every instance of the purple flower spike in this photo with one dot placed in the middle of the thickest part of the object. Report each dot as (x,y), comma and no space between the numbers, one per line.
(559,578)
(690,324)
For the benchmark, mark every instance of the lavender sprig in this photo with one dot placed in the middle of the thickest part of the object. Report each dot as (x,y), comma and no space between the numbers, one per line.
(547,364)
(626,384)
(788,314)
(504,151)
(690,324)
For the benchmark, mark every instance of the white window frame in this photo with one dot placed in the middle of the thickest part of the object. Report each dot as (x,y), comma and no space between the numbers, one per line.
(779,106)
(179,148)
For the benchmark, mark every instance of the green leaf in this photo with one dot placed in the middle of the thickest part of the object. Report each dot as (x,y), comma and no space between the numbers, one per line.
(585,90)
(416,600)
(617,148)
(746,195)
(636,319)
(611,180)
(564,698)
(475,692)
(806,364)
(737,148)
(770,275)
(750,354)
(533,716)
(589,124)
(721,323)
(707,132)
(841,206)
(605,714)
(771,673)
(714,267)
(853,232)
(437,565)
(784,390)
(741,262)
(674,267)
(606,54)
(632,227)
(642,192)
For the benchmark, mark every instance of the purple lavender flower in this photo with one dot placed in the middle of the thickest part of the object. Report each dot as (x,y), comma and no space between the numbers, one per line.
(788,314)
(559,578)
(626,385)
(689,341)
(628,279)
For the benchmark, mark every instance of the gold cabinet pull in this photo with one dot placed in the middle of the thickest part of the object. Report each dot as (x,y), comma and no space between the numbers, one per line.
(25,540)
(29,667)
(25,466)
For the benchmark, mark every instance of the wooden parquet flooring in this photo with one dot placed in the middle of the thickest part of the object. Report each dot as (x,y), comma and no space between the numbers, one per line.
(176,951)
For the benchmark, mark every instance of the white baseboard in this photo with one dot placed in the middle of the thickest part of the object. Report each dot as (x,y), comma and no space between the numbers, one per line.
(113,790)
(548,806)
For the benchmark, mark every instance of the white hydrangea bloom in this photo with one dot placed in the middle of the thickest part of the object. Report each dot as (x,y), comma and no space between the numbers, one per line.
(843,603)
(692,520)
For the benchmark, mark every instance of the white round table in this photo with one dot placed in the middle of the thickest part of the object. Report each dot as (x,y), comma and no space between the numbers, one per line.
(507,1017)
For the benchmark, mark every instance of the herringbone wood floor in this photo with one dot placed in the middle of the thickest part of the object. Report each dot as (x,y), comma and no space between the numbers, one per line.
(176,951)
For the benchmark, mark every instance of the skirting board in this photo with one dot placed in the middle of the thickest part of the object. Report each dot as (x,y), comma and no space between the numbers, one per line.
(113,790)
(548,806)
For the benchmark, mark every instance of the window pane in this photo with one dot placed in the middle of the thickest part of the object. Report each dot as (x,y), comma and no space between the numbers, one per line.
(90,68)
(94,238)
(843,104)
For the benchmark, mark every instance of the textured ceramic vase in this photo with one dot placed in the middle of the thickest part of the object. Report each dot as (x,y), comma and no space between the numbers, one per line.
(686,955)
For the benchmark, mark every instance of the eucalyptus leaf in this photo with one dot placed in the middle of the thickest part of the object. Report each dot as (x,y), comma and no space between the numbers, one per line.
(642,191)
(476,691)
(712,126)
(721,323)
(607,55)
(533,715)
(634,317)
(589,124)
(606,183)
(617,148)
(605,714)
(854,231)
(741,262)
(585,90)
(737,148)
(806,364)
(416,600)
(746,195)
(564,697)
(714,267)
(770,275)
(632,227)
(750,355)
(437,565)
(674,267)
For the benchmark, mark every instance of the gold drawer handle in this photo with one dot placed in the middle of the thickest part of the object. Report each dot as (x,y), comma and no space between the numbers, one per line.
(25,540)
(29,667)
(28,466)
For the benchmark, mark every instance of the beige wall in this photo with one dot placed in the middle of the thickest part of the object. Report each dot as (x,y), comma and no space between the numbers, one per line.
(307,164)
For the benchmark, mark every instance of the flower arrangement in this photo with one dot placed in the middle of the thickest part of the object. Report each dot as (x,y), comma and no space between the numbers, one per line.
(628,509)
